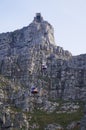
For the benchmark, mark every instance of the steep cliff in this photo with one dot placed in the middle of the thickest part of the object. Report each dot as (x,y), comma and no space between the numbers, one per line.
(29,57)
(23,52)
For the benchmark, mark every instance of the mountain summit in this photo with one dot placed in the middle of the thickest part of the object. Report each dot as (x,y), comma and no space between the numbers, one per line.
(34,73)
(24,51)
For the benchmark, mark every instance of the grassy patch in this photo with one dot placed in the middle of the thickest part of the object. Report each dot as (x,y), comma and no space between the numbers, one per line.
(42,118)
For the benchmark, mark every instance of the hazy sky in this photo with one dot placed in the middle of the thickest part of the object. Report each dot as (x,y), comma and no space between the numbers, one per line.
(68,17)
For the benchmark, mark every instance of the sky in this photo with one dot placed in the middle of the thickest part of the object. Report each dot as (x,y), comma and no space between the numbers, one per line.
(68,18)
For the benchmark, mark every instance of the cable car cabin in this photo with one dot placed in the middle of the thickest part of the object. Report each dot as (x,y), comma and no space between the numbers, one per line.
(44,66)
(34,90)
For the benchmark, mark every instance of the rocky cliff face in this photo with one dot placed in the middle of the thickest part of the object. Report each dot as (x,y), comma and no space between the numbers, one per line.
(29,57)
(23,52)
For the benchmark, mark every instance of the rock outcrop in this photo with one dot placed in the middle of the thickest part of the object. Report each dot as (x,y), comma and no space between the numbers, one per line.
(23,52)
(30,57)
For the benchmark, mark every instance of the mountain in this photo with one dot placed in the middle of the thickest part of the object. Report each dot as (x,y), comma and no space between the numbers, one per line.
(35,74)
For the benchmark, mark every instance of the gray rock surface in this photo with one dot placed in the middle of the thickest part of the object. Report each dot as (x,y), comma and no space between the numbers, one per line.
(23,52)
(73,125)
(54,127)
(22,56)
